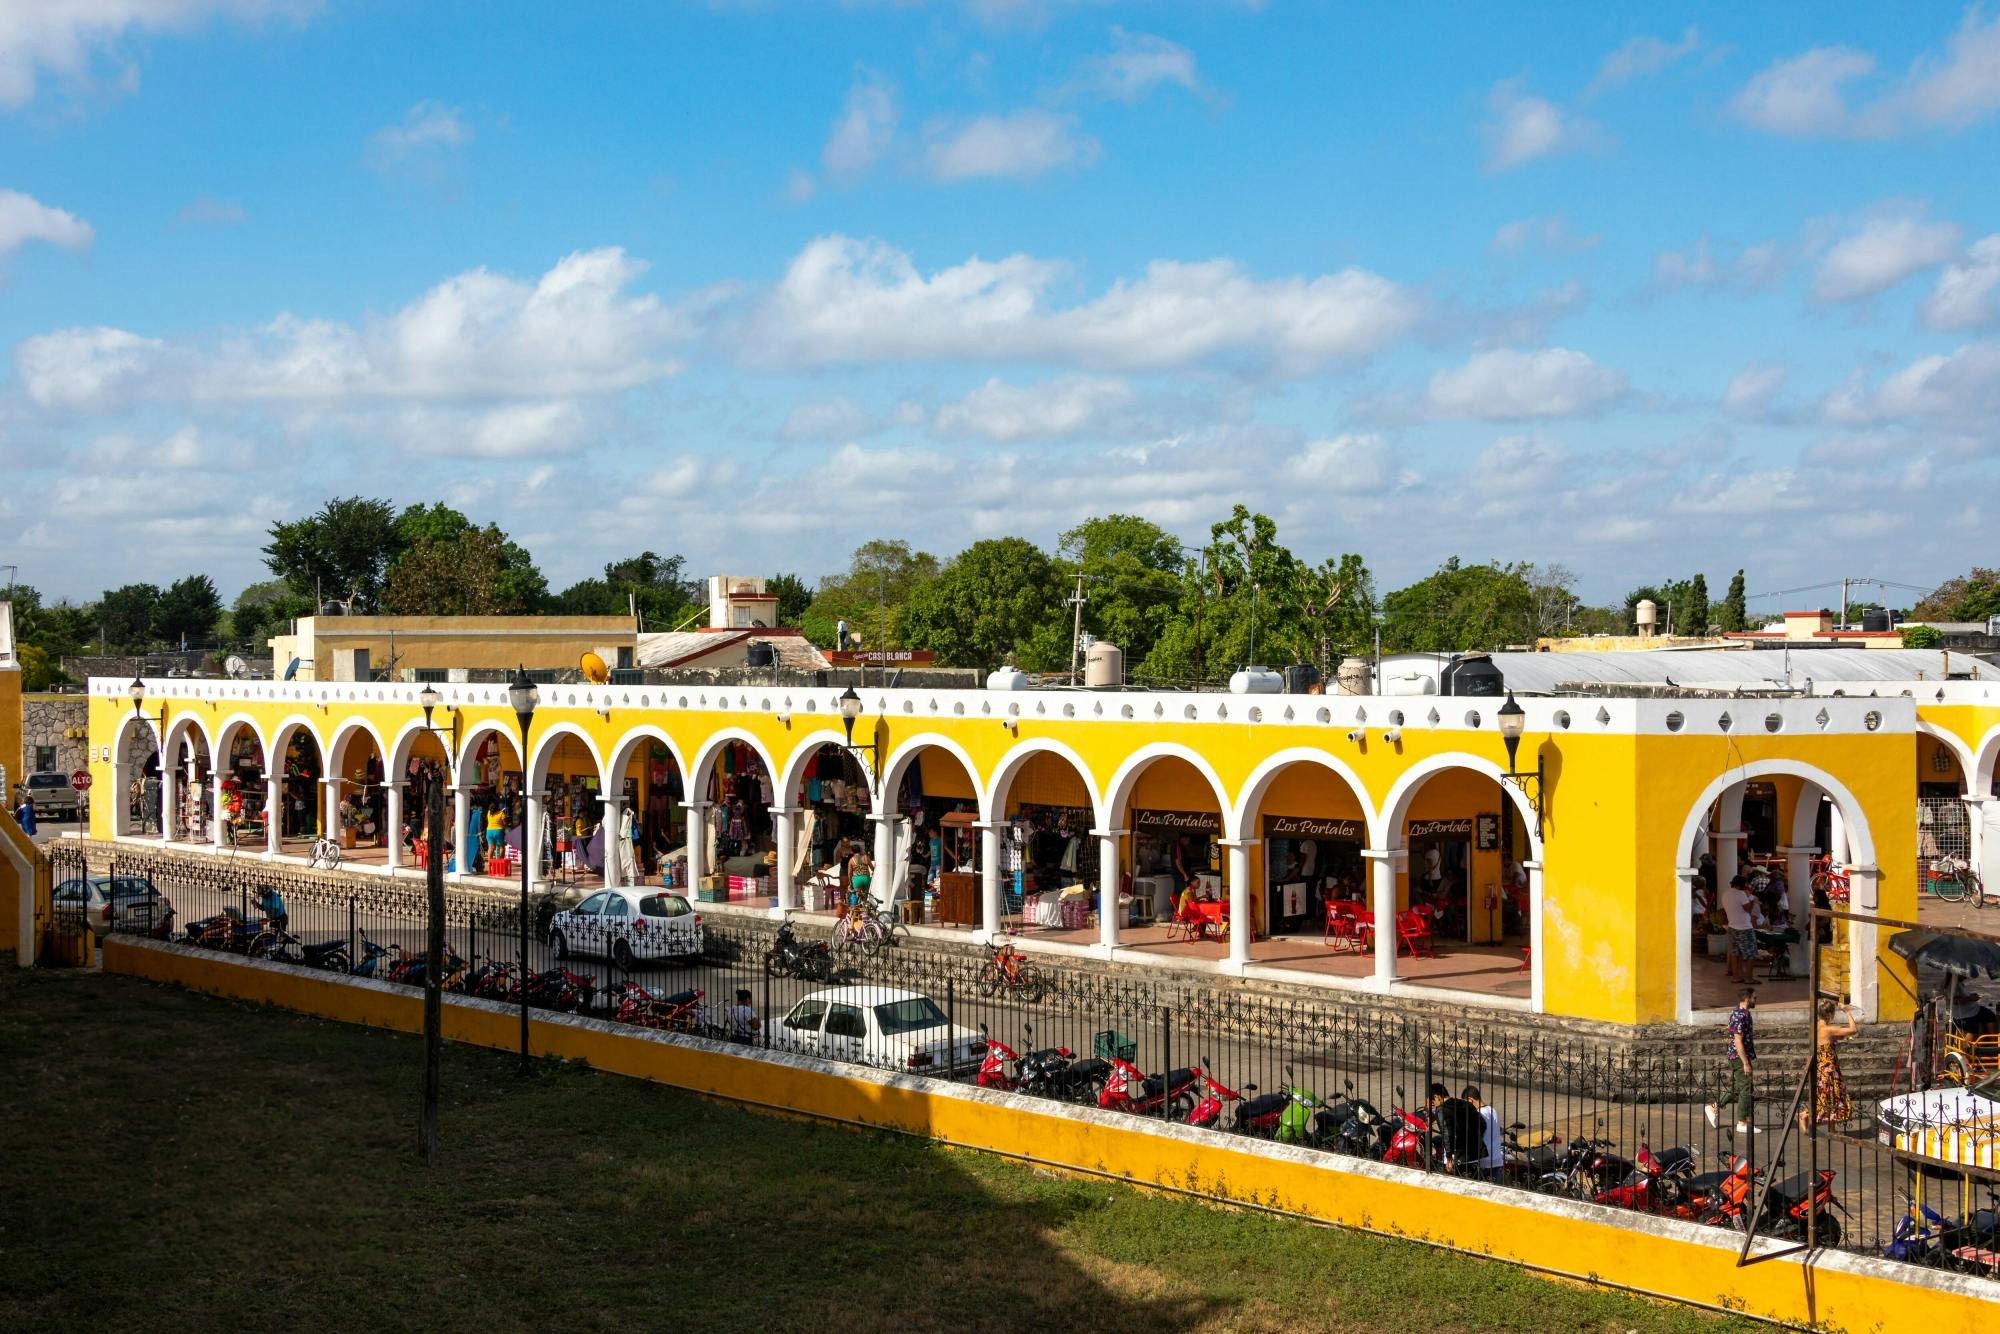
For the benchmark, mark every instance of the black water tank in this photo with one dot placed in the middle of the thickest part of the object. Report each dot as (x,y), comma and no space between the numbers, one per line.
(761,654)
(1875,618)
(1472,674)
(1300,677)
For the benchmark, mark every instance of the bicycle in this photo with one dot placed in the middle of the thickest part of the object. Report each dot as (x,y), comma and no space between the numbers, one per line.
(325,852)
(865,927)
(1952,880)
(1830,882)
(1009,970)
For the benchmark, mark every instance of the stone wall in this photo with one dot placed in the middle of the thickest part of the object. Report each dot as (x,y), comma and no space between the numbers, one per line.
(59,721)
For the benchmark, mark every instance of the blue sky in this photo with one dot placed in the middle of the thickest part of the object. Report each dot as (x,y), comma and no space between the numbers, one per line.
(1638,292)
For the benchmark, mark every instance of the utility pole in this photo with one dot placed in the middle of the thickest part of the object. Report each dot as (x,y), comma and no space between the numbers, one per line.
(881,626)
(1841,624)
(1076,601)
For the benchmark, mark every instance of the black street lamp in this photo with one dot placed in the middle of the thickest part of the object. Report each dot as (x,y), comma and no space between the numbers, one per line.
(850,710)
(137,693)
(521,693)
(1513,720)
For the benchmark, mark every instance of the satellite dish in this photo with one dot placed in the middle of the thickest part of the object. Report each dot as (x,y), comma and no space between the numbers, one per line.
(236,667)
(291,669)
(593,669)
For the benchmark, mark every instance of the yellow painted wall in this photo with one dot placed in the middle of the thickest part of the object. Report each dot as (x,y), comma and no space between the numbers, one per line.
(1675,1260)
(485,643)
(10,732)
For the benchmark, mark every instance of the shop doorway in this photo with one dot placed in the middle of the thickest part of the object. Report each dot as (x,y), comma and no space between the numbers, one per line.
(245,789)
(300,808)
(358,795)
(1311,862)
(938,842)
(649,784)
(832,797)
(490,784)
(138,769)
(1049,873)
(187,798)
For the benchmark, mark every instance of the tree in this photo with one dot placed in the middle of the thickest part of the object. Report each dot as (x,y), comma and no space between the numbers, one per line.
(125,616)
(1733,615)
(793,594)
(870,595)
(1922,636)
(341,553)
(1697,606)
(994,599)
(467,575)
(1131,570)
(1336,603)
(651,583)
(1552,599)
(57,630)
(1460,607)
(1970,597)
(187,610)
(265,609)
(38,671)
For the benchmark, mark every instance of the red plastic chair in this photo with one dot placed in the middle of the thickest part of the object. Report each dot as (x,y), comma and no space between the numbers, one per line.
(1414,930)
(1339,924)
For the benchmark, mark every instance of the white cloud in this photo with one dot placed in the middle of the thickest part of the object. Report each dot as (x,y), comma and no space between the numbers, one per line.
(1136,65)
(219,212)
(800,186)
(24,219)
(1967,295)
(1738,494)
(845,301)
(1550,233)
(423,146)
(838,418)
(1961,389)
(1884,252)
(1750,269)
(1640,57)
(1509,385)
(1054,409)
(1522,128)
(864,130)
(1352,464)
(69,38)
(1753,391)
(1807,95)
(1022,143)
(573,331)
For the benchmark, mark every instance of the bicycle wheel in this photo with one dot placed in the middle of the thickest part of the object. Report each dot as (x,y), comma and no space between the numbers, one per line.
(1029,983)
(990,979)
(1948,889)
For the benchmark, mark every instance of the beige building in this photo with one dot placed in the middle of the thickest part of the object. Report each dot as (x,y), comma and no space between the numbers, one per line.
(415,648)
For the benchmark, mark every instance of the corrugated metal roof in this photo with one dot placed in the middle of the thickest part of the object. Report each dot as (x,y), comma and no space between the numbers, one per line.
(1545,673)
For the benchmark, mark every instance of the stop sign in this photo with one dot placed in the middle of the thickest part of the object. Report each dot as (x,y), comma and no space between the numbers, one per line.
(80,780)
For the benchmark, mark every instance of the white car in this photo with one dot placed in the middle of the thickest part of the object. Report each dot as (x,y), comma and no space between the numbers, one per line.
(885,1026)
(628,925)
(1952,1121)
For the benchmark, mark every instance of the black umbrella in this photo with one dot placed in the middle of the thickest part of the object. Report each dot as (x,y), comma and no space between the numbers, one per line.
(1964,956)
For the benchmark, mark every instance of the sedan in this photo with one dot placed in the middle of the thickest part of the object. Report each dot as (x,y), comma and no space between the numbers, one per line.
(628,926)
(885,1026)
(110,903)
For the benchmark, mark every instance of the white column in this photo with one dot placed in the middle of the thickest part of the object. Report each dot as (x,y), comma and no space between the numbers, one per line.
(1382,878)
(170,803)
(531,839)
(884,853)
(785,834)
(1862,969)
(1109,877)
(329,820)
(1975,817)
(1536,888)
(1798,896)
(990,914)
(215,794)
(1836,842)
(461,816)
(274,813)
(392,837)
(697,841)
(1725,843)
(1241,929)
(1684,944)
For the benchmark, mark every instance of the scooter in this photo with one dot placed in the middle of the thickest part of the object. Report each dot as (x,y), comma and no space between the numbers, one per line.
(1352,1126)
(1129,1089)
(288,948)
(1295,1122)
(1413,1141)
(790,957)
(374,958)
(1054,1072)
(1653,1183)
(633,1004)
(1215,1095)
(226,930)
(993,1067)
(1787,1205)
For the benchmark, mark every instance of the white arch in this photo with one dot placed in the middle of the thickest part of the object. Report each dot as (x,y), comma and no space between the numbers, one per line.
(188,722)
(234,721)
(1266,773)
(544,743)
(1984,761)
(1017,758)
(128,767)
(1396,806)
(397,761)
(704,760)
(280,739)
(336,747)
(621,754)
(795,763)
(469,746)
(1125,781)
(1962,752)
(897,763)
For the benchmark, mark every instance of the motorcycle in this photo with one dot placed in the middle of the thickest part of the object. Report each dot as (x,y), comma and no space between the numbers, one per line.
(676,1013)
(374,958)
(227,930)
(791,957)
(490,979)
(1352,1126)
(1413,1141)
(1653,1185)
(1788,1205)
(1129,1089)
(556,989)
(284,947)
(1054,1072)
(1295,1120)
(1215,1095)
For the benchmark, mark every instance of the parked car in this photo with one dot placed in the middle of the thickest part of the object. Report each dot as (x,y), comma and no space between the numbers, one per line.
(885,1026)
(53,797)
(129,903)
(628,925)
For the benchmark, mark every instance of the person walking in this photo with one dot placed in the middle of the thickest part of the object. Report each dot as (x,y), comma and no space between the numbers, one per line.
(24,811)
(1742,1056)
(1831,1104)
(1736,901)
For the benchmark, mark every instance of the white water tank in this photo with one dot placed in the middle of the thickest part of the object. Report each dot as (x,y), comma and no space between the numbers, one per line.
(1355,677)
(1256,681)
(1408,682)
(1103,666)
(1007,678)
(1647,615)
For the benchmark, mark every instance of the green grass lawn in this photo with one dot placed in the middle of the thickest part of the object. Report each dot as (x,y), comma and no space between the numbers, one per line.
(178,1162)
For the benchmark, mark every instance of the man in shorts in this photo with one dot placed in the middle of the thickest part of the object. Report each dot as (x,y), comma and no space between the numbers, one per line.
(1736,902)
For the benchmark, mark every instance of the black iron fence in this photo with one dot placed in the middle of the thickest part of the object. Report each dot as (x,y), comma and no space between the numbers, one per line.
(1560,1114)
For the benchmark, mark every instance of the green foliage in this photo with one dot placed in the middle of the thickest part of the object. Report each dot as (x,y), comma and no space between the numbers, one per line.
(38,670)
(1971,597)
(125,616)
(1922,636)
(794,596)
(341,553)
(478,572)
(187,611)
(870,595)
(1696,619)
(58,630)
(1733,616)
(652,583)
(995,599)
(1131,569)
(1672,600)
(1461,607)
(265,609)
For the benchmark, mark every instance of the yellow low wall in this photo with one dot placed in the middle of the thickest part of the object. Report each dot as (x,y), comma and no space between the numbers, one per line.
(1664,1257)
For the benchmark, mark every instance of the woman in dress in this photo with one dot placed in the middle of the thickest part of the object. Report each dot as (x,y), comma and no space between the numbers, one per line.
(1830,1104)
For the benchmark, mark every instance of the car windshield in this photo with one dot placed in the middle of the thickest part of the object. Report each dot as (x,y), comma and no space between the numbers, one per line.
(47,780)
(905,1015)
(663,905)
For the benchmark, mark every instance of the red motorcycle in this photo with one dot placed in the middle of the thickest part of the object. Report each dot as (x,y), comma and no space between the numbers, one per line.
(678,1013)
(1787,1205)
(1654,1183)
(1129,1089)
(993,1071)
(1215,1095)
(1406,1146)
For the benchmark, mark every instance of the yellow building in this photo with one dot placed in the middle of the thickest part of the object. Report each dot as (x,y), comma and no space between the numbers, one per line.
(357,648)
(1609,841)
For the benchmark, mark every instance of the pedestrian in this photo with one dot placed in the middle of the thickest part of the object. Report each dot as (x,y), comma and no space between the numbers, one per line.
(24,811)
(272,905)
(1830,1104)
(1463,1131)
(1736,901)
(744,1025)
(1742,1055)
(861,875)
(1496,1153)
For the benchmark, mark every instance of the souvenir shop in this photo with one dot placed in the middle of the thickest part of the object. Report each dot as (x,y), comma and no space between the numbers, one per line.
(655,796)
(197,796)
(572,815)
(833,803)
(1308,861)
(1049,866)
(243,789)
(741,857)
(1171,849)
(418,777)
(494,798)
(940,808)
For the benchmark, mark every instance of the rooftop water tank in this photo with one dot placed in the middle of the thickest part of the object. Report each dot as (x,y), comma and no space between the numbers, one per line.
(1875,618)
(1103,666)
(1007,678)
(1355,677)
(1256,681)
(760,654)
(1408,681)
(1647,616)
(1300,678)
(1472,674)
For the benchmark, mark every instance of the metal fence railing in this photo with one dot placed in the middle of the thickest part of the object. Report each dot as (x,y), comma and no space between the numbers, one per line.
(1569,1115)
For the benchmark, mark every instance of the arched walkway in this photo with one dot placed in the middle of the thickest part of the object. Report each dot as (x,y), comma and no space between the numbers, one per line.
(136,751)
(936,838)
(486,803)
(356,795)
(1184,832)
(647,786)
(730,825)
(186,797)
(826,805)
(295,748)
(242,790)
(1052,835)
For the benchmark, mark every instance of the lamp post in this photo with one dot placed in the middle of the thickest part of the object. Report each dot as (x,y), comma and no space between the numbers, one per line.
(1513,720)
(521,693)
(850,710)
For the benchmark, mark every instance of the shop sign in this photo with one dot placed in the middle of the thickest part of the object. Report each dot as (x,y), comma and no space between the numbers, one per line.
(1307,826)
(1176,822)
(1440,828)
(892,656)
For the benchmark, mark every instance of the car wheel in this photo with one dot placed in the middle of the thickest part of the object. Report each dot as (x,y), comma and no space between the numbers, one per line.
(559,944)
(621,954)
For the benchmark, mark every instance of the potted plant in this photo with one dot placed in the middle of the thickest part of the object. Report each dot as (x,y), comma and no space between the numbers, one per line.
(1716,927)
